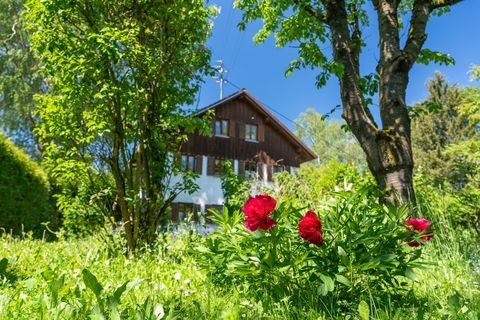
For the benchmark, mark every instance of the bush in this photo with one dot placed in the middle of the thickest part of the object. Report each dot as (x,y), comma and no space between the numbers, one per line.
(24,192)
(313,184)
(86,204)
(364,250)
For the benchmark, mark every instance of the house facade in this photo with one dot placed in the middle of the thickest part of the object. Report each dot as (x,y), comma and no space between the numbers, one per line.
(248,135)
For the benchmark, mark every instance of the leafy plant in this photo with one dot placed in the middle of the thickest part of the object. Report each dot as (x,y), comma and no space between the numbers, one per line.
(363,250)
(24,192)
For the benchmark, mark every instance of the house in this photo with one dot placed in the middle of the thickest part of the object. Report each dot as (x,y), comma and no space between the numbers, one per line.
(248,135)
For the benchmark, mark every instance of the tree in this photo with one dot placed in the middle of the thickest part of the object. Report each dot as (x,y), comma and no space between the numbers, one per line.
(309,24)
(19,79)
(329,139)
(121,72)
(438,123)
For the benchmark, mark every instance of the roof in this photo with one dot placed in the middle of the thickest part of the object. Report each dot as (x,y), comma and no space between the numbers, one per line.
(263,109)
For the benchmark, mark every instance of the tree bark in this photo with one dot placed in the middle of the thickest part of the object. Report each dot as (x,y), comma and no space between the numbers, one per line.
(388,150)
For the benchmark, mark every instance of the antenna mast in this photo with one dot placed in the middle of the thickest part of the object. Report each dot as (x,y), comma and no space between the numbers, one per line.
(220,68)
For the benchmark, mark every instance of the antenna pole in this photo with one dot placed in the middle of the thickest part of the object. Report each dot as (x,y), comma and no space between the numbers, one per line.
(220,79)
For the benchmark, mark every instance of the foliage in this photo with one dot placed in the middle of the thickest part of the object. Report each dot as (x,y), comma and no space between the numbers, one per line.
(328,38)
(120,73)
(86,206)
(20,79)
(235,188)
(437,124)
(24,192)
(328,139)
(91,278)
(447,153)
(312,184)
(363,251)
(85,279)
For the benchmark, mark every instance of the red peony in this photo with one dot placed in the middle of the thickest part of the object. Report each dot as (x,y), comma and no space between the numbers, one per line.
(257,210)
(310,228)
(419,225)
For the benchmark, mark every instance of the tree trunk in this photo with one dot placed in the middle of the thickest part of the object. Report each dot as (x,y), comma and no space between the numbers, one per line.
(388,150)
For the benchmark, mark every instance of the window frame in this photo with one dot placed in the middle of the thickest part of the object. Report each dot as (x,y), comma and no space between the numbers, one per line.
(250,129)
(224,126)
(219,167)
(185,162)
(248,173)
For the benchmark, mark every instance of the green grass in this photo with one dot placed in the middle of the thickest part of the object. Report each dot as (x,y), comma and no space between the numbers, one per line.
(46,280)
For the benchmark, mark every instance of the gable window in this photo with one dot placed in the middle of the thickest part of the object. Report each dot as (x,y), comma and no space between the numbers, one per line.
(221,128)
(251,132)
(187,163)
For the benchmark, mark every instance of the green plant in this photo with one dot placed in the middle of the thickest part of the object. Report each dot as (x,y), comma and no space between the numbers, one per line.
(24,192)
(235,188)
(363,251)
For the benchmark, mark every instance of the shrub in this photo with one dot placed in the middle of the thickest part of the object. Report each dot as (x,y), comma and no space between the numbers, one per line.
(24,191)
(86,204)
(363,248)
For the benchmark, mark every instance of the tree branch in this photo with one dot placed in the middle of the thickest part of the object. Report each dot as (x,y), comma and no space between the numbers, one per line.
(418,23)
(388,30)
(416,33)
(306,6)
(443,3)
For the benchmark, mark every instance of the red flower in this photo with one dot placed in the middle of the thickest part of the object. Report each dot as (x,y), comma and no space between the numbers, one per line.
(257,210)
(419,225)
(310,228)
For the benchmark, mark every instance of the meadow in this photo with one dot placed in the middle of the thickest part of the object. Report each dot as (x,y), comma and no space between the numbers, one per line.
(231,273)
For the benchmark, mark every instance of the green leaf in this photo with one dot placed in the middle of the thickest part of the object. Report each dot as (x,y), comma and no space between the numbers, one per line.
(158,312)
(409,273)
(119,291)
(327,285)
(343,280)
(92,283)
(363,310)
(3,266)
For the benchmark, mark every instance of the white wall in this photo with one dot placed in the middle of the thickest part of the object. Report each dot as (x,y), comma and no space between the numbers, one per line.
(210,189)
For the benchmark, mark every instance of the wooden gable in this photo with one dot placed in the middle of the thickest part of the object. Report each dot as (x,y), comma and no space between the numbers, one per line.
(275,142)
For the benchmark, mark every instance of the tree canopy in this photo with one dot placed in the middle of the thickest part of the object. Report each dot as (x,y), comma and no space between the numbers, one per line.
(120,73)
(308,25)
(438,123)
(20,78)
(329,139)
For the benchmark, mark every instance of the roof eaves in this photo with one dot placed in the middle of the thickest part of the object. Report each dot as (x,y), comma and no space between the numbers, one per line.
(280,124)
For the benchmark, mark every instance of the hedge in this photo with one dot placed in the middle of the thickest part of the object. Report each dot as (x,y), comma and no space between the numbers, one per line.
(24,192)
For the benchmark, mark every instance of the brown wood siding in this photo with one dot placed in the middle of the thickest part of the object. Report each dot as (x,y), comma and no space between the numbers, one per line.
(211,166)
(241,167)
(198,164)
(231,128)
(271,138)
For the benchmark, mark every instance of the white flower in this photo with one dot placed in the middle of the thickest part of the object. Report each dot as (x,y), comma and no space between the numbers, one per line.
(187,281)
(177,276)
(243,315)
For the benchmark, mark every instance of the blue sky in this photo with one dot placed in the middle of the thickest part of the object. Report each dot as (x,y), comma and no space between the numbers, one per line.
(261,68)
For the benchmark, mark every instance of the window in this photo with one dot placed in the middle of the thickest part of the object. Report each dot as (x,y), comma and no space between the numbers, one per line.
(219,167)
(184,212)
(250,170)
(251,132)
(188,163)
(221,128)
(278,169)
